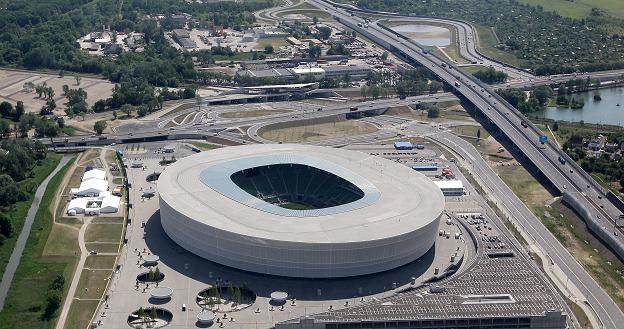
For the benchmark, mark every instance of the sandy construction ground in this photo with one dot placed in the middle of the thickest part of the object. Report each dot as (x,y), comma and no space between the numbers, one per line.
(12,88)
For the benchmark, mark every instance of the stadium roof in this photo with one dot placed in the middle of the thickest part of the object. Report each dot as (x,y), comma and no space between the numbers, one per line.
(401,200)
(218,178)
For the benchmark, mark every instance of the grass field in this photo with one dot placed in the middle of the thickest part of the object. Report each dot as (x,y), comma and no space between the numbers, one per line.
(26,299)
(205,146)
(275,42)
(251,113)
(110,247)
(63,241)
(103,232)
(580,8)
(317,131)
(100,262)
(92,284)
(306,12)
(470,130)
(80,313)
(18,213)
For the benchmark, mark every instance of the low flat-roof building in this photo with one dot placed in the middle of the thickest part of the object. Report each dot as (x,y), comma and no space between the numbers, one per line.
(403,145)
(355,71)
(450,187)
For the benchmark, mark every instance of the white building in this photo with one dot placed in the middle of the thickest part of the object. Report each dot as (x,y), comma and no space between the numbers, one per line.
(91,187)
(94,174)
(104,203)
(450,187)
(316,72)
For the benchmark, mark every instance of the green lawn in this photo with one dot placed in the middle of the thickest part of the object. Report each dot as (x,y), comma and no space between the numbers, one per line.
(26,299)
(103,232)
(92,284)
(100,262)
(18,213)
(80,313)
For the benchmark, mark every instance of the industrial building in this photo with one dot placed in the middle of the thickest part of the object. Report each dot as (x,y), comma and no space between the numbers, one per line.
(299,210)
(316,72)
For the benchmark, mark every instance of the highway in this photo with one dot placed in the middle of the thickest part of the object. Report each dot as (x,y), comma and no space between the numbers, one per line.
(565,177)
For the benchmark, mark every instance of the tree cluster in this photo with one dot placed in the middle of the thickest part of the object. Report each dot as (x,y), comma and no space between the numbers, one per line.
(490,75)
(537,100)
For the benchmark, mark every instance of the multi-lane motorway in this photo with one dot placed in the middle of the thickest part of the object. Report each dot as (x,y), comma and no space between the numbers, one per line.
(566,177)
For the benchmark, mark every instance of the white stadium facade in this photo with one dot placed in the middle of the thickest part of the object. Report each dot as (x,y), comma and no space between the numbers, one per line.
(299,210)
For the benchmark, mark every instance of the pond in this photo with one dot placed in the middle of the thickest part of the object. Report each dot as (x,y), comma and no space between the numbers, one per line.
(426,35)
(605,111)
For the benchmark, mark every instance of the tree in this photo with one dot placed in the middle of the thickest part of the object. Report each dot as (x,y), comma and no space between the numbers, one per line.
(142,111)
(268,49)
(5,129)
(433,112)
(19,110)
(65,89)
(53,303)
(115,115)
(237,295)
(153,314)
(99,126)
(622,183)
(78,78)
(364,91)
(555,126)
(6,109)
(384,55)
(230,291)
(127,109)
(375,92)
(6,227)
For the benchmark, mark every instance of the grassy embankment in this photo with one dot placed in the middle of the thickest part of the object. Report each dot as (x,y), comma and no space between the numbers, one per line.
(18,213)
(27,298)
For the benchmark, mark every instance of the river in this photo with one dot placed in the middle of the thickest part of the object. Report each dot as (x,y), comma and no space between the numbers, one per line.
(605,111)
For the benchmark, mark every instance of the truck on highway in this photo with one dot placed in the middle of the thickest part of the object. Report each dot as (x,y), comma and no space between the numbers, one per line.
(562,160)
(457,84)
(353,108)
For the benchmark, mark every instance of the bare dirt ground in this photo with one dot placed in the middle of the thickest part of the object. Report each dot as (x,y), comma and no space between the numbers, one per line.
(318,131)
(12,88)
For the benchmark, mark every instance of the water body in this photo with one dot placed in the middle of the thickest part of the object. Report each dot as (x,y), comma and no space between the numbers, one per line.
(605,111)
(426,35)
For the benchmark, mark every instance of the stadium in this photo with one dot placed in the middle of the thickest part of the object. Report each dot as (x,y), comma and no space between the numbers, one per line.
(299,210)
